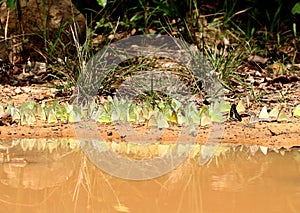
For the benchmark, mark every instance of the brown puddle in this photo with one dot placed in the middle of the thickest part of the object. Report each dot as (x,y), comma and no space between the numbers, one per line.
(63,179)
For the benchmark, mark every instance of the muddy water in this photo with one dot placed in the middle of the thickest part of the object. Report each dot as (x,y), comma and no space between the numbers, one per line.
(64,180)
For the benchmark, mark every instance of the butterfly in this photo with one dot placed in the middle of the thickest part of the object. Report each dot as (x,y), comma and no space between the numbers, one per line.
(253,118)
(264,115)
(234,114)
(282,116)
(296,111)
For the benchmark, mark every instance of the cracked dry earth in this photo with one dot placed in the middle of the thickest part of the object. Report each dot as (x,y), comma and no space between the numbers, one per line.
(271,134)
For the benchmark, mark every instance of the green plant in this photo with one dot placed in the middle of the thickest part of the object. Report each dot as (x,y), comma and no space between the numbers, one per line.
(102,2)
(226,62)
(11,4)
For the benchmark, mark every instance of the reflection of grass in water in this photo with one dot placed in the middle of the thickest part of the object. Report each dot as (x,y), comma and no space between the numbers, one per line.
(189,173)
(187,179)
(193,188)
(82,180)
(232,171)
(87,179)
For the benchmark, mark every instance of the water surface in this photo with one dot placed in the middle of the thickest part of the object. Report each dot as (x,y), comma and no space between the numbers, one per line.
(64,180)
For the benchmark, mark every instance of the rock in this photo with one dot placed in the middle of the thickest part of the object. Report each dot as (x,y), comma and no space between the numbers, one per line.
(34,24)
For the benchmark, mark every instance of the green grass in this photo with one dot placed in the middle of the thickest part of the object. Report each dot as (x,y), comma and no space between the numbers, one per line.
(223,32)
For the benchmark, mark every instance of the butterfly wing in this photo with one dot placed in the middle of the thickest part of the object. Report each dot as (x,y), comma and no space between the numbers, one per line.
(234,114)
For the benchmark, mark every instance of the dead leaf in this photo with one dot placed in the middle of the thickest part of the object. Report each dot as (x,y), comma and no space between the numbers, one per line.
(284,80)
(257,59)
(278,68)
(5,119)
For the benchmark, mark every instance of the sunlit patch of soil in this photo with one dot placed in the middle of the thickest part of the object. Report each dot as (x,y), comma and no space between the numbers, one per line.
(272,134)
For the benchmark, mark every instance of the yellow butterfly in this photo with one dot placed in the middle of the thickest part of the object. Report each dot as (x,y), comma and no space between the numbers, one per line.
(216,115)
(274,112)
(15,114)
(23,119)
(152,121)
(131,116)
(161,121)
(30,118)
(61,113)
(296,111)
(205,119)
(174,117)
(282,116)
(51,117)
(176,104)
(240,107)
(224,106)
(74,116)
(38,110)
(180,118)
(1,108)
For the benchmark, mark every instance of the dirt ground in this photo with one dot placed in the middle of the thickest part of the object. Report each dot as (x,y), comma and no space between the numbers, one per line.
(265,134)
(270,134)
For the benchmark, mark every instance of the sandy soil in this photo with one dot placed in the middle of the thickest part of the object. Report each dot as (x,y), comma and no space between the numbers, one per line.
(266,134)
